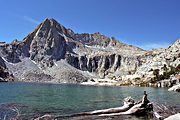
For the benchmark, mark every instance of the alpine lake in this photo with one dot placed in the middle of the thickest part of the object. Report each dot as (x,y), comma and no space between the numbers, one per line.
(33,99)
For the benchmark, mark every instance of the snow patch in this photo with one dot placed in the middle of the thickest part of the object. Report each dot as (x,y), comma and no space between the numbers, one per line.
(55,64)
(37,33)
(97,47)
(35,64)
(65,37)
(33,61)
(7,61)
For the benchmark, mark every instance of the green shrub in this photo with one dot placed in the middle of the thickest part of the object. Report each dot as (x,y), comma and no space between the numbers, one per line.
(156,73)
(166,74)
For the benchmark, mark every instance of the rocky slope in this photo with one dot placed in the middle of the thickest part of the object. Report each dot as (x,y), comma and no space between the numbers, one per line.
(4,72)
(157,59)
(60,55)
(160,67)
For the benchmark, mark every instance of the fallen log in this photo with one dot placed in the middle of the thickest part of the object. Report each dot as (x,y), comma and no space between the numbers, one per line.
(136,109)
(129,108)
(128,103)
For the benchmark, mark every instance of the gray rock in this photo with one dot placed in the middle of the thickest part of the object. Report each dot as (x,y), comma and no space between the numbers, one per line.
(173,117)
(175,88)
(2,63)
(5,74)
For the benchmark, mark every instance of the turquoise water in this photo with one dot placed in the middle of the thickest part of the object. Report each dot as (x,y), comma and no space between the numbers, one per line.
(66,99)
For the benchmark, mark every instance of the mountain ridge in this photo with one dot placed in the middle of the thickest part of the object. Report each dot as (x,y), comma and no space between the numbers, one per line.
(86,56)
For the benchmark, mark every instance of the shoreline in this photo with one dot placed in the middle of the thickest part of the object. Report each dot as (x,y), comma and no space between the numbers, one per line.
(110,83)
(97,84)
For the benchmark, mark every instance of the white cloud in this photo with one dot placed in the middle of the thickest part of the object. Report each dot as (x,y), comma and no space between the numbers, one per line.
(151,46)
(29,19)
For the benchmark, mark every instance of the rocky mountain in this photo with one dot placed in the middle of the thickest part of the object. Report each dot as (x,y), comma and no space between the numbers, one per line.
(53,53)
(158,59)
(160,66)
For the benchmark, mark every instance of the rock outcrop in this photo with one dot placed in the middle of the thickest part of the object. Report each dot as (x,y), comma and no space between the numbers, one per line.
(104,65)
(157,59)
(175,88)
(160,64)
(4,73)
(2,64)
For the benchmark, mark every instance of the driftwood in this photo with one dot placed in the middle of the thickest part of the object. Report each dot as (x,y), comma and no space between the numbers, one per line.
(136,109)
(128,103)
(129,107)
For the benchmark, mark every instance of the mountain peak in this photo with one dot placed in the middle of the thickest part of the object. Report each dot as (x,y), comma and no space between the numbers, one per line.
(51,25)
(51,21)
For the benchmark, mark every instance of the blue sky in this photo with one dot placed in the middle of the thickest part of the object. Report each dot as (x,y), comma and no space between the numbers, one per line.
(145,23)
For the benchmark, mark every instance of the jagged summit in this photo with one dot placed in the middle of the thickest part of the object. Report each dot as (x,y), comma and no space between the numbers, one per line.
(52,41)
(53,25)
(50,21)
(95,39)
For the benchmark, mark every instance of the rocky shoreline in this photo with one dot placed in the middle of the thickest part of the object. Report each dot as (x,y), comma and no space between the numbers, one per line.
(172,84)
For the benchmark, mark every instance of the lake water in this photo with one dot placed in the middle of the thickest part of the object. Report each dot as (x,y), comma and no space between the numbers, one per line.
(34,99)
